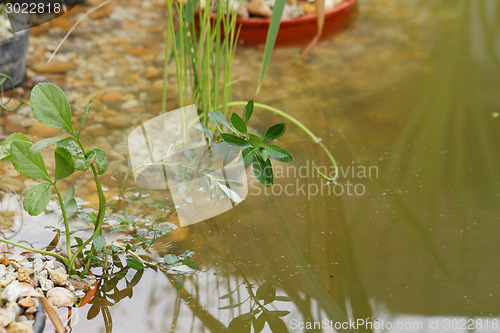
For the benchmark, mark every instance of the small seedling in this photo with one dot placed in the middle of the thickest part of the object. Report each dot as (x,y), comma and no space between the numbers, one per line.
(256,149)
(51,107)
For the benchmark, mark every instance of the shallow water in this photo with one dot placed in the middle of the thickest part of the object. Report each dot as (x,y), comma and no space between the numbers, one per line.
(406,99)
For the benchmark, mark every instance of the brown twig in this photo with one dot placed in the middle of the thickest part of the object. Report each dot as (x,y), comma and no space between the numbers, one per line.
(76,24)
(320,18)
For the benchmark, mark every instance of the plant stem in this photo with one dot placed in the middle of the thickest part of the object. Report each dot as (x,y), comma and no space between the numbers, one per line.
(55,255)
(66,223)
(303,128)
(100,214)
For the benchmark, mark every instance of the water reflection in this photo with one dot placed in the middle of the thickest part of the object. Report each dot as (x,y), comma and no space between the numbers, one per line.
(419,246)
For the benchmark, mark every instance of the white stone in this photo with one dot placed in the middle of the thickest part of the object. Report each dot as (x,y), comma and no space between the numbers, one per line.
(12,291)
(59,296)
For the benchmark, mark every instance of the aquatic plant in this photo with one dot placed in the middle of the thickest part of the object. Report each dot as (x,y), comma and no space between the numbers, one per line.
(203,55)
(51,107)
(257,150)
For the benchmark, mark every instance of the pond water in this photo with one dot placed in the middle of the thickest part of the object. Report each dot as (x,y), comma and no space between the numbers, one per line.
(405,98)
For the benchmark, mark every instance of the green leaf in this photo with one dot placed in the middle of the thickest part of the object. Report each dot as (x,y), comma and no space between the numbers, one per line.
(84,118)
(222,148)
(179,282)
(247,111)
(274,132)
(255,141)
(278,153)
(28,165)
(284,299)
(5,145)
(65,165)
(14,137)
(238,123)
(134,263)
(71,208)
(46,142)
(192,264)
(218,118)
(263,170)
(99,242)
(72,147)
(234,140)
(186,255)
(70,194)
(70,202)
(37,199)
(272,33)
(84,164)
(248,155)
(266,292)
(171,259)
(85,217)
(51,107)
(100,159)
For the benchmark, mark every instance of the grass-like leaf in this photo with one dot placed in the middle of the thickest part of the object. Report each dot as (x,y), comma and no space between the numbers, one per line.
(272,33)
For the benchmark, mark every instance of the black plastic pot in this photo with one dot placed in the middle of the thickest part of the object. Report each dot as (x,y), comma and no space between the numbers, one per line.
(13,56)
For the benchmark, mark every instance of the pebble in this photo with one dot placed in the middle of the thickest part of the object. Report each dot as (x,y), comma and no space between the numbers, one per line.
(5,260)
(24,275)
(59,276)
(7,315)
(12,291)
(27,302)
(45,284)
(17,327)
(26,289)
(59,296)
(38,265)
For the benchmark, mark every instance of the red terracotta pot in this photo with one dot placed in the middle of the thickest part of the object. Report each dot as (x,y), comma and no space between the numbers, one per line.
(293,31)
(90,293)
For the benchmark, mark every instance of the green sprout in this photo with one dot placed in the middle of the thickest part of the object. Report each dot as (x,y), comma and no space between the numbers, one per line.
(256,149)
